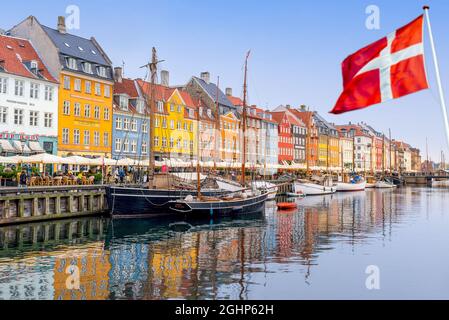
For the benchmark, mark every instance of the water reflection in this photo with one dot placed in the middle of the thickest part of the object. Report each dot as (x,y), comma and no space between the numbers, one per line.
(251,257)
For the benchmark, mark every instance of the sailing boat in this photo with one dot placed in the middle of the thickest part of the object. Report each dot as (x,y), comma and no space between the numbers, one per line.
(244,201)
(154,198)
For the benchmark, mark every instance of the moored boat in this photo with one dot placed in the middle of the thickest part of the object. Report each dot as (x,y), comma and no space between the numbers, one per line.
(322,186)
(357,183)
(383,184)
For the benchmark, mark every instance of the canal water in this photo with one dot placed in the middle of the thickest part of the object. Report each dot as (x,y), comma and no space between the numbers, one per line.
(388,244)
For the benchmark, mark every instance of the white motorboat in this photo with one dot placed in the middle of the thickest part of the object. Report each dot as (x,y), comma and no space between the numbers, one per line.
(271,188)
(322,186)
(370,185)
(348,187)
(384,185)
(357,183)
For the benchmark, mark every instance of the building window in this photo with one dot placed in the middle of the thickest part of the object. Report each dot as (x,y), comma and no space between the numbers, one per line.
(98,89)
(66,82)
(77,85)
(164,123)
(164,142)
(106,113)
(88,87)
(48,120)
(172,124)
(101,71)
(178,125)
(144,147)
(160,106)
(86,137)
(172,107)
(156,141)
(87,111)
(179,109)
(134,125)
(133,146)
(65,136)
(3,114)
(145,127)
(34,91)
(34,116)
(126,145)
(18,117)
(140,106)
(106,139)
(97,112)
(107,91)
(48,93)
(118,144)
(172,143)
(3,85)
(123,103)
(66,108)
(18,89)
(96,138)
(87,67)
(118,123)
(77,109)
(156,122)
(125,124)
(76,136)
(178,144)
(71,64)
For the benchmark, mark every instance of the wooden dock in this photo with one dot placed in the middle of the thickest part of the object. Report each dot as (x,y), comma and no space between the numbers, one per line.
(23,205)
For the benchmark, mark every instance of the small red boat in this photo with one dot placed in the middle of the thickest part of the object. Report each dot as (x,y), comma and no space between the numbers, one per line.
(287,205)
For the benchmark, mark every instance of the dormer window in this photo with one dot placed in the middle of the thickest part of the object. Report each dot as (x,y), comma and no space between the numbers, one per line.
(209,113)
(71,64)
(201,111)
(87,67)
(101,71)
(191,113)
(140,106)
(34,65)
(160,106)
(123,102)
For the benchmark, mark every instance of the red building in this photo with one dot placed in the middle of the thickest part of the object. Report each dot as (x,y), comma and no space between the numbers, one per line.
(285,137)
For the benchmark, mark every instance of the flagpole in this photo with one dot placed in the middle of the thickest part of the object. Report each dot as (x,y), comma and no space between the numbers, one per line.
(437,73)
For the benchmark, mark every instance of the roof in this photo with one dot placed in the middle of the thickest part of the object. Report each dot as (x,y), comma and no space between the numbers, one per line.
(89,50)
(358,129)
(211,90)
(127,86)
(17,54)
(278,116)
(235,101)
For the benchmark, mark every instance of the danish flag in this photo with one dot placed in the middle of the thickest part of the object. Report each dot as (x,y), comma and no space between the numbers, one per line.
(387,69)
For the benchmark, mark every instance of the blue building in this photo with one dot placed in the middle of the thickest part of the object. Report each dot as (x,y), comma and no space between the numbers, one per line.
(131,122)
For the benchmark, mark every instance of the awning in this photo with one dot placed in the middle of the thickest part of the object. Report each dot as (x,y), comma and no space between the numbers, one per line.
(35,146)
(21,148)
(6,146)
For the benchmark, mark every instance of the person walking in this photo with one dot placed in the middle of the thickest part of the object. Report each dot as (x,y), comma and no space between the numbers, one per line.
(23,179)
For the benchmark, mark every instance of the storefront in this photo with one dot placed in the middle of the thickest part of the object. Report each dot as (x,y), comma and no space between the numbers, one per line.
(22,144)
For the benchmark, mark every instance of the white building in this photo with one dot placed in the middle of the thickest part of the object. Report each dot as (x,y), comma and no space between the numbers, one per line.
(28,100)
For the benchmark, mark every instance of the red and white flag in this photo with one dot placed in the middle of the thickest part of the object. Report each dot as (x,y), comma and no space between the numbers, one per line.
(386,69)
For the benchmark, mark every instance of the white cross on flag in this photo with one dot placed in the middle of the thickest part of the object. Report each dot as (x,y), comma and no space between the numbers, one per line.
(386,69)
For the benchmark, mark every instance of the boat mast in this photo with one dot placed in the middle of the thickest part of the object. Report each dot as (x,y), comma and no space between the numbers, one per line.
(383,154)
(198,167)
(391,145)
(217,126)
(151,103)
(244,119)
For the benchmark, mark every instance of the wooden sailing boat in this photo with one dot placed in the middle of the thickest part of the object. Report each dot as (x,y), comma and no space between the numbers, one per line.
(155,197)
(239,202)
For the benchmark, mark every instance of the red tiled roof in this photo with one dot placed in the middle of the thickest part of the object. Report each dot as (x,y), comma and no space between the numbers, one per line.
(127,86)
(160,92)
(278,116)
(15,52)
(235,101)
(358,130)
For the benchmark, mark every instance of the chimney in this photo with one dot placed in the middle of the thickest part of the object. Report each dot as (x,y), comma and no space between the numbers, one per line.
(302,108)
(229,91)
(61,24)
(205,76)
(288,106)
(165,78)
(118,74)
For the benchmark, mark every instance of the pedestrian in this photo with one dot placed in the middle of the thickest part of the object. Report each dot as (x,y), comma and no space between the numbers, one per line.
(23,179)
(121,174)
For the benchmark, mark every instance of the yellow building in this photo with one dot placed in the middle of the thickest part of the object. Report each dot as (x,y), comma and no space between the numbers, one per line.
(230,144)
(85,115)
(85,92)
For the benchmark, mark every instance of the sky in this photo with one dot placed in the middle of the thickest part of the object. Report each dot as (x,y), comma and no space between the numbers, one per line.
(296,50)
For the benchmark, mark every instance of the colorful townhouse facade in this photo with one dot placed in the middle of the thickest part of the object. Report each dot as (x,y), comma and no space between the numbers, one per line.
(347,149)
(328,144)
(362,146)
(28,100)
(312,137)
(84,72)
(285,137)
(131,123)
